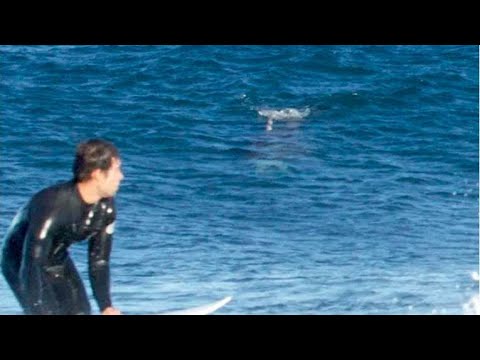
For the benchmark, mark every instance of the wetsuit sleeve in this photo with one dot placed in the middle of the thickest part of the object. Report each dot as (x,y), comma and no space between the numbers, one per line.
(43,224)
(99,248)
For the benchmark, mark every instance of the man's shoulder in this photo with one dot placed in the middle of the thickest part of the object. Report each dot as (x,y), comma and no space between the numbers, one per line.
(53,193)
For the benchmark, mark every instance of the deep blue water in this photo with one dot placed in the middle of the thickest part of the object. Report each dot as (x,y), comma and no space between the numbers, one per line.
(364,201)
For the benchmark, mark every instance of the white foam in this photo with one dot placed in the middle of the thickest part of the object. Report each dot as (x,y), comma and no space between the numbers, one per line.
(264,165)
(472,307)
(287,114)
(284,114)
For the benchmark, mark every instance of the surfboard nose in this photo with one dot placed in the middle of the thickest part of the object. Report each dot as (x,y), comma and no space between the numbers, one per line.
(202,310)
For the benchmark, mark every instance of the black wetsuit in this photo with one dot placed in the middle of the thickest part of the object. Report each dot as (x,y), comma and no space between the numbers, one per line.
(35,260)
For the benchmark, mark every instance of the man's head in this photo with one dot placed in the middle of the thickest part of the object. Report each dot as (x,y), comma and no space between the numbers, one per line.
(98,161)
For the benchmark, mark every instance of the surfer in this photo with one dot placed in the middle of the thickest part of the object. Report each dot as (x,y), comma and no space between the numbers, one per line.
(35,258)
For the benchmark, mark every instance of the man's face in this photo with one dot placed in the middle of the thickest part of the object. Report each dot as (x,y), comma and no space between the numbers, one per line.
(109,180)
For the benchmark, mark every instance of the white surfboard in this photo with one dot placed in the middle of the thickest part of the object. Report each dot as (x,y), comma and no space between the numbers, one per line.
(201,310)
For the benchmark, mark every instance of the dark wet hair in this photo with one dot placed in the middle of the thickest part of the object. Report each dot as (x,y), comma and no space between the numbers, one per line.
(91,155)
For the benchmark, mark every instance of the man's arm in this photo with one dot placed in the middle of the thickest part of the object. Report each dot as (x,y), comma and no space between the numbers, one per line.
(99,248)
(38,243)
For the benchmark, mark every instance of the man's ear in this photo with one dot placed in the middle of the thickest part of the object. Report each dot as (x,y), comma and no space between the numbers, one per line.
(96,174)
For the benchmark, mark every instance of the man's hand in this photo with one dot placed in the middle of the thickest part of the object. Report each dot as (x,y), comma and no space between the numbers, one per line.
(111,311)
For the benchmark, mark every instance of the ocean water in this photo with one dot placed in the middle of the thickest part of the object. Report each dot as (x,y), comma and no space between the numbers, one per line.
(297,179)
